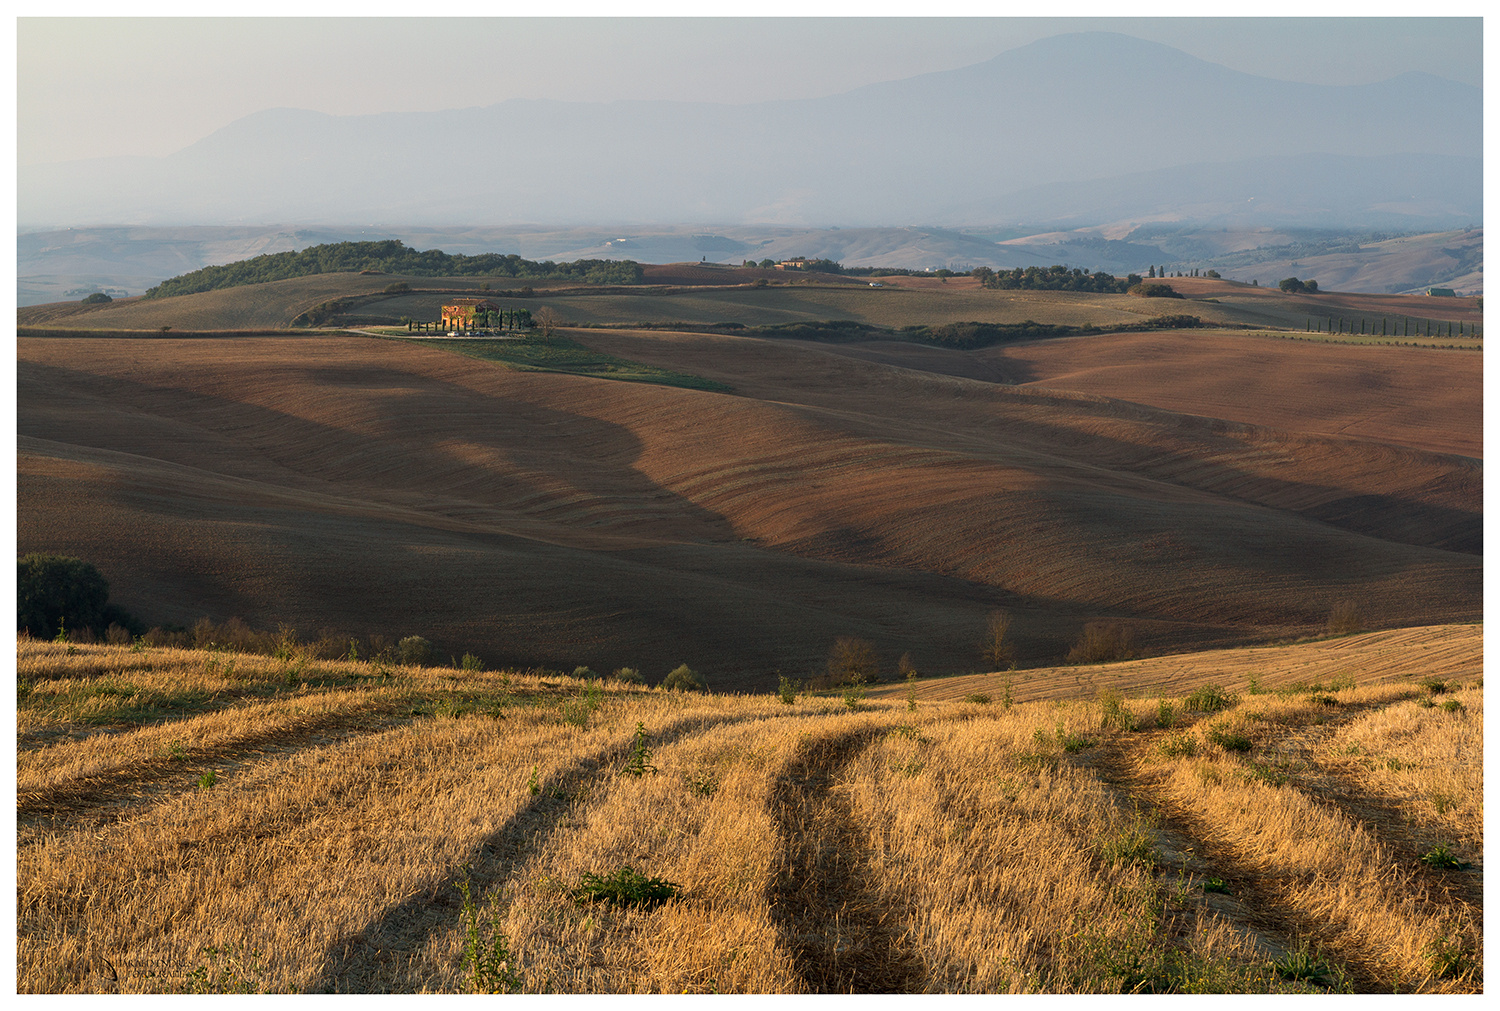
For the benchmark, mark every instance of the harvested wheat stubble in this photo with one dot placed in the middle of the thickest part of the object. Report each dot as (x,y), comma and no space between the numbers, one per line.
(1049,846)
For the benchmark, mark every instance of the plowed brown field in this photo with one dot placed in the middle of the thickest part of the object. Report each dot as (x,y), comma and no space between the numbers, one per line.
(367,486)
(1425,399)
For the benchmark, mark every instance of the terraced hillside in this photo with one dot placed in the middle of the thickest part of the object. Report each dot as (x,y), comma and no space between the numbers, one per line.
(206,822)
(368,486)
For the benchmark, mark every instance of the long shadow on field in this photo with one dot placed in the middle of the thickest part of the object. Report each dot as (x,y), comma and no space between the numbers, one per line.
(1261,900)
(377,958)
(834,926)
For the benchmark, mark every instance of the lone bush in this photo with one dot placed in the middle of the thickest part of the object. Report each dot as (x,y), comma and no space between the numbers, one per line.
(1153,291)
(52,590)
(852,661)
(683,679)
(97,298)
(628,675)
(414,651)
(1103,642)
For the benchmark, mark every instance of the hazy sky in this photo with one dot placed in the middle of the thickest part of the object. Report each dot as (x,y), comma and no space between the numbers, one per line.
(94,87)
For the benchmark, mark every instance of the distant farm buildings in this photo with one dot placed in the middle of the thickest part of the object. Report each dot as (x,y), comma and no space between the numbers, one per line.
(800,263)
(460,313)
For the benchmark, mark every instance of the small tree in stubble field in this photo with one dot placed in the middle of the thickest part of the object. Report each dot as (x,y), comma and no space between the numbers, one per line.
(999,654)
(852,661)
(1103,642)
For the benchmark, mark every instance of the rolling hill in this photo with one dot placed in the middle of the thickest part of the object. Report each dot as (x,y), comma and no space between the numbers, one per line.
(373,486)
(59,265)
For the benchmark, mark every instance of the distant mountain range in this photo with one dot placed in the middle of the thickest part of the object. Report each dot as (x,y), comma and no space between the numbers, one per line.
(1073,130)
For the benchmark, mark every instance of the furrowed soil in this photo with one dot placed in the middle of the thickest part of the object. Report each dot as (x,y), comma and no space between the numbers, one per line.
(201,821)
(365,487)
(1416,397)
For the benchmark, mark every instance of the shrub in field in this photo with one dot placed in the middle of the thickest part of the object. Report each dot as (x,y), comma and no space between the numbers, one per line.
(1165,715)
(1208,699)
(1179,746)
(52,590)
(1153,291)
(1448,957)
(639,762)
(978,698)
(852,661)
(1103,642)
(414,651)
(786,689)
(1441,858)
(1305,964)
(584,674)
(471,663)
(1229,740)
(625,887)
(578,709)
(488,963)
(628,675)
(1113,712)
(683,678)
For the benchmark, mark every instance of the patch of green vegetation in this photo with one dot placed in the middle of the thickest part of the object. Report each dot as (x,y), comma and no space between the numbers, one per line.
(1229,740)
(1179,745)
(1449,957)
(1208,699)
(639,761)
(1066,739)
(1441,858)
(1132,844)
(559,354)
(1148,956)
(625,887)
(1306,964)
(1271,775)
(390,256)
(105,701)
(488,962)
(226,969)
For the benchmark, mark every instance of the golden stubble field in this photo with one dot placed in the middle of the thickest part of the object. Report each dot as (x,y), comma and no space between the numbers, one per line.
(369,486)
(202,821)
